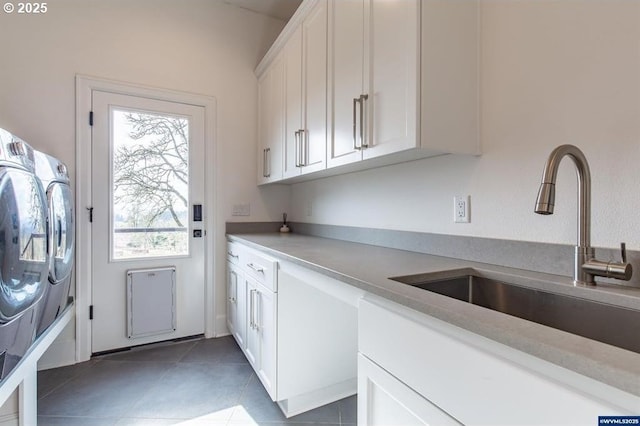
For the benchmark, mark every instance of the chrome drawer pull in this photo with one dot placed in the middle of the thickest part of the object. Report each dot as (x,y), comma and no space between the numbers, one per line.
(255,268)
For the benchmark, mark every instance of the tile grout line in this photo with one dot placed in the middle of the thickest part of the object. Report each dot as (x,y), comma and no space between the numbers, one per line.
(244,390)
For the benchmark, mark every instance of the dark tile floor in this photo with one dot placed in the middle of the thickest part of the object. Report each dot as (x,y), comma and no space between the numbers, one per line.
(201,382)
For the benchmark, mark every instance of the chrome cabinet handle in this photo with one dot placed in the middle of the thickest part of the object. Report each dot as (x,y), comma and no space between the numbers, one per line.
(355,139)
(269,161)
(255,268)
(256,315)
(304,151)
(234,287)
(264,163)
(297,147)
(251,322)
(363,103)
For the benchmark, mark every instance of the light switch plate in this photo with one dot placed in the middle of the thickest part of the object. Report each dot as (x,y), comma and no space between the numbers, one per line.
(241,210)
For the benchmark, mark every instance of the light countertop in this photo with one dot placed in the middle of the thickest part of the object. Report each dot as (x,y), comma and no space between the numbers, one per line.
(369,268)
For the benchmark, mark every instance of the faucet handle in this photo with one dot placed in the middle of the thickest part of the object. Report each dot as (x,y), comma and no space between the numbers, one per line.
(618,270)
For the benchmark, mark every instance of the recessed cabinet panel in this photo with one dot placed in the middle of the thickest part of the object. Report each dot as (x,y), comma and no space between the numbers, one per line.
(346,37)
(236,307)
(306,95)
(293,104)
(271,122)
(392,104)
(385,400)
(265,328)
(315,89)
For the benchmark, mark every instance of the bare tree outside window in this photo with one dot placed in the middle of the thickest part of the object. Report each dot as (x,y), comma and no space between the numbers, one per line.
(150,184)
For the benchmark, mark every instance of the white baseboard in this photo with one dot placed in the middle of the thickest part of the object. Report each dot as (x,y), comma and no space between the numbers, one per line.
(302,403)
(221,326)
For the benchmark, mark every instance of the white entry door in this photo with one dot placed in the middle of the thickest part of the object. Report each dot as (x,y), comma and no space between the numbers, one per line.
(148,198)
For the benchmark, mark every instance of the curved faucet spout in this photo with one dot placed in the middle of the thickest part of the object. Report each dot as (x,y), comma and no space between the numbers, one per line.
(547,193)
(586,266)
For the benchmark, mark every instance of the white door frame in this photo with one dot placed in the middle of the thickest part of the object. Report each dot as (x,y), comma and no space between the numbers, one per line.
(85,85)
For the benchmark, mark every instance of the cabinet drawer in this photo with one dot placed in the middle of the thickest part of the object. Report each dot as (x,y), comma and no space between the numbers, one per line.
(260,267)
(234,253)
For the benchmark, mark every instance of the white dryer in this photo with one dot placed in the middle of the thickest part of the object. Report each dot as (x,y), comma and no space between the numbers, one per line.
(60,247)
(23,249)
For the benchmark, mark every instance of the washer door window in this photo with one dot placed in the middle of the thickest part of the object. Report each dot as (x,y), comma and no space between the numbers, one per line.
(61,237)
(23,242)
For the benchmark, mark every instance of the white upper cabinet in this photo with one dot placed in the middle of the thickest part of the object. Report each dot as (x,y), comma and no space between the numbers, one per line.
(391,107)
(347,80)
(306,95)
(271,122)
(374,97)
(376,82)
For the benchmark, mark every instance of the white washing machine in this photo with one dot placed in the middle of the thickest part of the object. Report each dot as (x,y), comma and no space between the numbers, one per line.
(60,242)
(23,250)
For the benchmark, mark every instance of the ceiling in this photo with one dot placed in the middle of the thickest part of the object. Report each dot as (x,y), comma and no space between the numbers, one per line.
(279,9)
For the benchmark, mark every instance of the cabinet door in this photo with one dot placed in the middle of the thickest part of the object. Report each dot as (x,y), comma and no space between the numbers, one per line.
(240,329)
(261,334)
(385,400)
(236,303)
(293,105)
(271,122)
(346,36)
(232,297)
(314,51)
(252,342)
(392,105)
(265,327)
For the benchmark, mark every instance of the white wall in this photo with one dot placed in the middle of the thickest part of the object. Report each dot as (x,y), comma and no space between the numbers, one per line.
(200,46)
(553,72)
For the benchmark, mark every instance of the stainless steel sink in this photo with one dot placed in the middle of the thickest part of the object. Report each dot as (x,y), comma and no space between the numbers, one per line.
(618,326)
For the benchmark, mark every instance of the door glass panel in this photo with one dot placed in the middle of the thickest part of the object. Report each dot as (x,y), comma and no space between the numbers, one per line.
(150,185)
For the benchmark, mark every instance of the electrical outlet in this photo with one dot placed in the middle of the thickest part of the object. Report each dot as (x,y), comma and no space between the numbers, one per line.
(461,209)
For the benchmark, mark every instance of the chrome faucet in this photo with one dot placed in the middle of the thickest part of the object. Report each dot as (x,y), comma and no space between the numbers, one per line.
(586,266)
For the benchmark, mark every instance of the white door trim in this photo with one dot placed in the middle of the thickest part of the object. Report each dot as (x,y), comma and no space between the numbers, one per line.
(85,85)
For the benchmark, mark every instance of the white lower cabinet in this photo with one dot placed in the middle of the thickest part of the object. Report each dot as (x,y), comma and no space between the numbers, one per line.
(260,346)
(236,291)
(385,400)
(300,329)
(415,366)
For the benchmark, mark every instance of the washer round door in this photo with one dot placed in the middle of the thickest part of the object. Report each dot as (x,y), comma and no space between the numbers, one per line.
(61,239)
(23,242)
